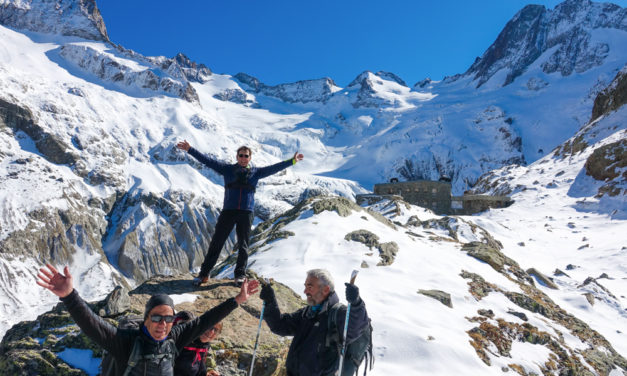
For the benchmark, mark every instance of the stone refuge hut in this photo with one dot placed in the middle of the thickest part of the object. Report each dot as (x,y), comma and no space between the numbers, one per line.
(436,195)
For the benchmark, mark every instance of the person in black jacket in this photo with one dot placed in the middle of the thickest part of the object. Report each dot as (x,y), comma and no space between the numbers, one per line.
(309,353)
(156,338)
(191,361)
(240,182)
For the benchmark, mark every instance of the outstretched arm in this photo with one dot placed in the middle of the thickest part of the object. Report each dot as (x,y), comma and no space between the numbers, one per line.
(263,172)
(281,324)
(185,333)
(219,167)
(91,324)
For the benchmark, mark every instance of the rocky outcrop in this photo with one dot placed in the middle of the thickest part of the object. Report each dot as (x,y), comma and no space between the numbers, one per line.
(612,97)
(151,234)
(79,18)
(298,92)
(53,148)
(439,295)
(193,71)
(168,78)
(37,347)
(234,95)
(387,251)
(494,335)
(534,30)
(607,164)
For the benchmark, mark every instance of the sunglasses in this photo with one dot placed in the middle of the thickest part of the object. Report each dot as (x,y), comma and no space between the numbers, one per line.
(158,318)
(243,155)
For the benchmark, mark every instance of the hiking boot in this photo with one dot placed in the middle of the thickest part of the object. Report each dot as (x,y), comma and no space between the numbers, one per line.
(200,280)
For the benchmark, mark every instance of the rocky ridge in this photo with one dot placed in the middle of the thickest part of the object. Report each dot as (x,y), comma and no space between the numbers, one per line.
(534,30)
(298,92)
(79,18)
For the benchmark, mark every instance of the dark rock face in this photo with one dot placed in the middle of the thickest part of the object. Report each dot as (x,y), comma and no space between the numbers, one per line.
(605,164)
(79,18)
(387,251)
(193,72)
(534,30)
(612,97)
(49,145)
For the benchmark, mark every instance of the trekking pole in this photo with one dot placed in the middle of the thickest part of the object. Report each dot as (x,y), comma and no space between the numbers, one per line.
(263,308)
(348,310)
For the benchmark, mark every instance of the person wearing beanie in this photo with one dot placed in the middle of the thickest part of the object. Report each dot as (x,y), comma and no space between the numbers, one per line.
(192,360)
(150,350)
(312,353)
(240,183)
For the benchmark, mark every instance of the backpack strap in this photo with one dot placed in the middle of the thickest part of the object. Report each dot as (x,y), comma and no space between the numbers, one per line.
(136,354)
(333,334)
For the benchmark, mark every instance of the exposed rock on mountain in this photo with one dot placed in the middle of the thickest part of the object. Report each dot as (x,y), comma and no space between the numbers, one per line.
(567,30)
(179,235)
(116,69)
(193,72)
(50,146)
(301,91)
(613,96)
(79,18)
(607,164)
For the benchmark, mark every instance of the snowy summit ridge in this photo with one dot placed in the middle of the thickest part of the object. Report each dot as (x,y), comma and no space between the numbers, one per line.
(80,18)
(567,30)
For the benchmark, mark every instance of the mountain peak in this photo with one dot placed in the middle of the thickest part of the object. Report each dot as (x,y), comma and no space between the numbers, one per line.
(317,90)
(80,18)
(535,30)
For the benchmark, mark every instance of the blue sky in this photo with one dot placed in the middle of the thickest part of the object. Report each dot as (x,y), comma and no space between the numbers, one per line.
(280,41)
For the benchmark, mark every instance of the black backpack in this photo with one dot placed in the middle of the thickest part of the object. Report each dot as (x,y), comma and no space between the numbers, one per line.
(107,365)
(358,349)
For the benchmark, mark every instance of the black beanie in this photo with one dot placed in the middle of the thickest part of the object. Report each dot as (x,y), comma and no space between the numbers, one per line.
(157,300)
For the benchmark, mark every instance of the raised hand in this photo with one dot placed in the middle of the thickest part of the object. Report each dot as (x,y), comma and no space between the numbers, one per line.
(298,157)
(267,293)
(184,145)
(248,288)
(60,284)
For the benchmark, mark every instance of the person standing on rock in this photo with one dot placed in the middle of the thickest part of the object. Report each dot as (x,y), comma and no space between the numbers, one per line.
(240,182)
(311,352)
(150,350)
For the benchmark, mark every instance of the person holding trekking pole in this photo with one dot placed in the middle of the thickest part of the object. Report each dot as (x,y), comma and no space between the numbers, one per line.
(151,349)
(317,328)
(240,182)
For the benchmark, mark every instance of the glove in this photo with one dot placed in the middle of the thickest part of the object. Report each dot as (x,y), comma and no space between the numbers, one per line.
(352,294)
(267,293)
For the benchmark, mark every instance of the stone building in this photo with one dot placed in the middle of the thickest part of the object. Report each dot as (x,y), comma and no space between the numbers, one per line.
(436,196)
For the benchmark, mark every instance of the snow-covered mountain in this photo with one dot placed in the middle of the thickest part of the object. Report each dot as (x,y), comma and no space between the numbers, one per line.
(90,177)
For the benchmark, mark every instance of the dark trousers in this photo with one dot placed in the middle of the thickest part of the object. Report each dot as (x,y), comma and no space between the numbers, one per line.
(242,221)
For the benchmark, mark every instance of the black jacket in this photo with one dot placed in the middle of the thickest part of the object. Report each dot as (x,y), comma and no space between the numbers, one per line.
(308,354)
(192,362)
(120,342)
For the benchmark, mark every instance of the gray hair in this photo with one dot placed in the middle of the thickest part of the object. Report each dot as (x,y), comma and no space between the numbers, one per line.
(323,276)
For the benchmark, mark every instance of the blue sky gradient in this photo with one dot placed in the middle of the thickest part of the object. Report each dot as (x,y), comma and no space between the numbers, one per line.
(281,41)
